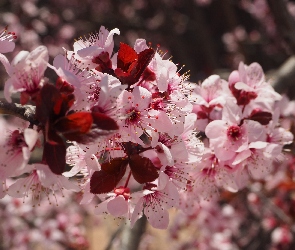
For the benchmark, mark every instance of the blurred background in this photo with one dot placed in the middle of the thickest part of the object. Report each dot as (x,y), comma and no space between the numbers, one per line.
(204,36)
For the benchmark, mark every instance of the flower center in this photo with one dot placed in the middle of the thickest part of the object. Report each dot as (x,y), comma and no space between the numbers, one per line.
(17,140)
(234,132)
(133,116)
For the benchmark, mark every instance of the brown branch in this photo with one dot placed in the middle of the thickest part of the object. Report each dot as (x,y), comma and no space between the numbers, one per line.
(131,236)
(283,79)
(25,112)
(284,21)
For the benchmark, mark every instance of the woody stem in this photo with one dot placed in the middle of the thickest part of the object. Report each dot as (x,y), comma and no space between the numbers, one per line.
(25,112)
(128,178)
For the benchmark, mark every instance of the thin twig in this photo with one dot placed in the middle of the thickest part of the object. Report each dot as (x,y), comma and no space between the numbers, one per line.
(25,112)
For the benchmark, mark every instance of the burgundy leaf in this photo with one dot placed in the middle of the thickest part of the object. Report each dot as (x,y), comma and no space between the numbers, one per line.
(103,121)
(126,56)
(64,87)
(243,97)
(105,181)
(144,58)
(104,63)
(261,116)
(51,104)
(142,168)
(79,122)
(131,148)
(130,65)
(114,165)
(55,156)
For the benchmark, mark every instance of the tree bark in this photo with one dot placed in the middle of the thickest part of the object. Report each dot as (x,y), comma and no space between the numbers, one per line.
(131,236)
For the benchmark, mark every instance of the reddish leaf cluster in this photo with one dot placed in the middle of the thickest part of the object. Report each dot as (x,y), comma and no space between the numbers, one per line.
(130,65)
(142,169)
(52,111)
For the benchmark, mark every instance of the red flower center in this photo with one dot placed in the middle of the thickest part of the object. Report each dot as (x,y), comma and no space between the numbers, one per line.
(234,132)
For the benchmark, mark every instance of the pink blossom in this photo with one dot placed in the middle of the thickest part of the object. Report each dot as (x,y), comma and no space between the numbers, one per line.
(41,180)
(228,136)
(27,73)
(89,50)
(16,150)
(116,204)
(281,235)
(136,115)
(154,203)
(250,88)
(211,174)
(208,99)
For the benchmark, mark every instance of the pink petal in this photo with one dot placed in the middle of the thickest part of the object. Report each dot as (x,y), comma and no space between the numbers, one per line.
(101,207)
(137,212)
(6,46)
(158,219)
(5,62)
(241,157)
(142,97)
(140,45)
(118,206)
(216,129)
(31,137)
(60,61)
(90,51)
(233,77)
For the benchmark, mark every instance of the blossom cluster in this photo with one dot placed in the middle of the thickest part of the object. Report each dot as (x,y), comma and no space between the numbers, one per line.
(260,215)
(134,131)
(48,227)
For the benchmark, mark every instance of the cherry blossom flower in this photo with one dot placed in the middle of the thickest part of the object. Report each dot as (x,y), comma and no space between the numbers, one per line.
(97,49)
(154,203)
(208,99)
(16,149)
(116,203)
(40,180)
(27,74)
(228,136)
(250,88)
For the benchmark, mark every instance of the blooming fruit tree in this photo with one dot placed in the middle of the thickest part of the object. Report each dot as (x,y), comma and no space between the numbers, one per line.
(133,131)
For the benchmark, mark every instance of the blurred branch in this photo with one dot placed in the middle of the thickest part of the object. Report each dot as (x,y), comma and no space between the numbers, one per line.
(114,236)
(25,112)
(131,236)
(275,209)
(284,78)
(284,21)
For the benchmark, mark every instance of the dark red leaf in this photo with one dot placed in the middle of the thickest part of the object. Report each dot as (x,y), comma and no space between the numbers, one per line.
(55,156)
(130,65)
(126,56)
(53,137)
(243,97)
(261,116)
(148,75)
(103,121)
(51,104)
(105,181)
(131,148)
(75,126)
(144,58)
(142,168)
(79,122)
(104,63)
(63,86)
(114,165)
